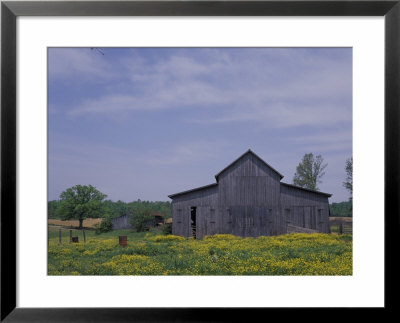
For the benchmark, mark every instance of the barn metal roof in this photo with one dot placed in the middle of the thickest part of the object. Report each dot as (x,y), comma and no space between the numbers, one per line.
(306,189)
(192,190)
(247,152)
(240,157)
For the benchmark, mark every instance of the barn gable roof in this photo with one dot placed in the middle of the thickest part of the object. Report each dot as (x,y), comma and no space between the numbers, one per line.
(192,190)
(306,189)
(244,155)
(172,196)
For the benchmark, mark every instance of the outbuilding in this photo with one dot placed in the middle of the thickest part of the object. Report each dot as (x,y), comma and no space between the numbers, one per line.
(249,200)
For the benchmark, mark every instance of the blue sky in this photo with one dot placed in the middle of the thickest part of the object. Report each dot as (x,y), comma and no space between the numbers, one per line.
(143,123)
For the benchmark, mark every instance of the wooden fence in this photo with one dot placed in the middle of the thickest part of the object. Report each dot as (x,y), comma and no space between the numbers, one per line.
(341,225)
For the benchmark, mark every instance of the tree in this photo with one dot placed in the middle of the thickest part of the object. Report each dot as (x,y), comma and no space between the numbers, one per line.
(140,219)
(104,226)
(116,209)
(309,172)
(52,207)
(348,184)
(81,202)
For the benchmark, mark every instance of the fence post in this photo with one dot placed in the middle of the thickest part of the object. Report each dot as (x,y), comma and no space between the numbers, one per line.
(59,236)
(84,236)
(70,236)
(341,228)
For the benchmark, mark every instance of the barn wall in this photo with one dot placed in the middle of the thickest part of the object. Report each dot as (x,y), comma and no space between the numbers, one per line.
(203,200)
(303,209)
(249,200)
(121,222)
(250,190)
(249,182)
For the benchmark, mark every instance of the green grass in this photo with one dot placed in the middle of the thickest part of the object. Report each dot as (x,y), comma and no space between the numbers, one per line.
(154,254)
(91,235)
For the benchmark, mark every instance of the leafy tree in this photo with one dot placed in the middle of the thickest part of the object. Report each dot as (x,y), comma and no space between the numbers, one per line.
(309,172)
(81,202)
(340,209)
(348,184)
(162,207)
(116,209)
(167,228)
(140,219)
(52,207)
(104,226)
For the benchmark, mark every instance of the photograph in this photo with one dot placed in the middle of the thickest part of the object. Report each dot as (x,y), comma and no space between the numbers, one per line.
(200,161)
(201,152)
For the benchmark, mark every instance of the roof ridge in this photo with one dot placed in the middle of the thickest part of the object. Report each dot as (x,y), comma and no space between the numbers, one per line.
(249,151)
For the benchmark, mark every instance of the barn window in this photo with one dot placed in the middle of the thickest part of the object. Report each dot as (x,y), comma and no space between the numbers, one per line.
(313,221)
(229,215)
(287,215)
(212,215)
(179,216)
(320,213)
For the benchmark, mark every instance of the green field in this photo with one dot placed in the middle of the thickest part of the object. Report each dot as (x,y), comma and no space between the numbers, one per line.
(152,253)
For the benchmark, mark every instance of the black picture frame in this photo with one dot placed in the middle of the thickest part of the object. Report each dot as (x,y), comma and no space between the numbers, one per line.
(10,10)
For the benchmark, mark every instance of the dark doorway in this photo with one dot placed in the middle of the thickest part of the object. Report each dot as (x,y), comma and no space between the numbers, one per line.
(193,221)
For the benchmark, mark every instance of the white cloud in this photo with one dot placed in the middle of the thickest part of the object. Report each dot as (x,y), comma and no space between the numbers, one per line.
(219,89)
(240,88)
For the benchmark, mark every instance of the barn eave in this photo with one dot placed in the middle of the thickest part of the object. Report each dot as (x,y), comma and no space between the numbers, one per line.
(172,196)
(306,189)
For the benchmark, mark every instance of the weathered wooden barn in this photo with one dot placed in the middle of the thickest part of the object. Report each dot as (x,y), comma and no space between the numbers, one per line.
(249,200)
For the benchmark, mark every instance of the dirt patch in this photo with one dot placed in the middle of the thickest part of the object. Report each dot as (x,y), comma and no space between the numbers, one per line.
(341,218)
(88,223)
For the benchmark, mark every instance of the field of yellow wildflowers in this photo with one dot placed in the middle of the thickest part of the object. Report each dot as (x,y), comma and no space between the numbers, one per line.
(155,254)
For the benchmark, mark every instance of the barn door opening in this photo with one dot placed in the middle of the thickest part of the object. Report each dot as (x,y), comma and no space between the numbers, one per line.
(193,221)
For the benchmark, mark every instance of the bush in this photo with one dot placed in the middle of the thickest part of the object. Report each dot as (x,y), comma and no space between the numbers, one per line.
(166,238)
(167,228)
(104,226)
(140,220)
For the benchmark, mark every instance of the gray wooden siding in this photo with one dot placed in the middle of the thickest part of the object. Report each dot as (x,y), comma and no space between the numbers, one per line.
(249,165)
(249,182)
(121,222)
(203,200)
(249,200)
(304,209)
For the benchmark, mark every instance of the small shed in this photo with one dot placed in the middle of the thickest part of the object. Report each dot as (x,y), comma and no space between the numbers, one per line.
(123,222)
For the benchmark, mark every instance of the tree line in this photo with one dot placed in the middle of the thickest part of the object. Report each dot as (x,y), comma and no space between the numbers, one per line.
(85,201)
(341,209)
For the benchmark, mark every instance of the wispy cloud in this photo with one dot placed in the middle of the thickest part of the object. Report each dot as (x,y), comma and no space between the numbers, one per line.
(83,63)
(239,88)
(147,122)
